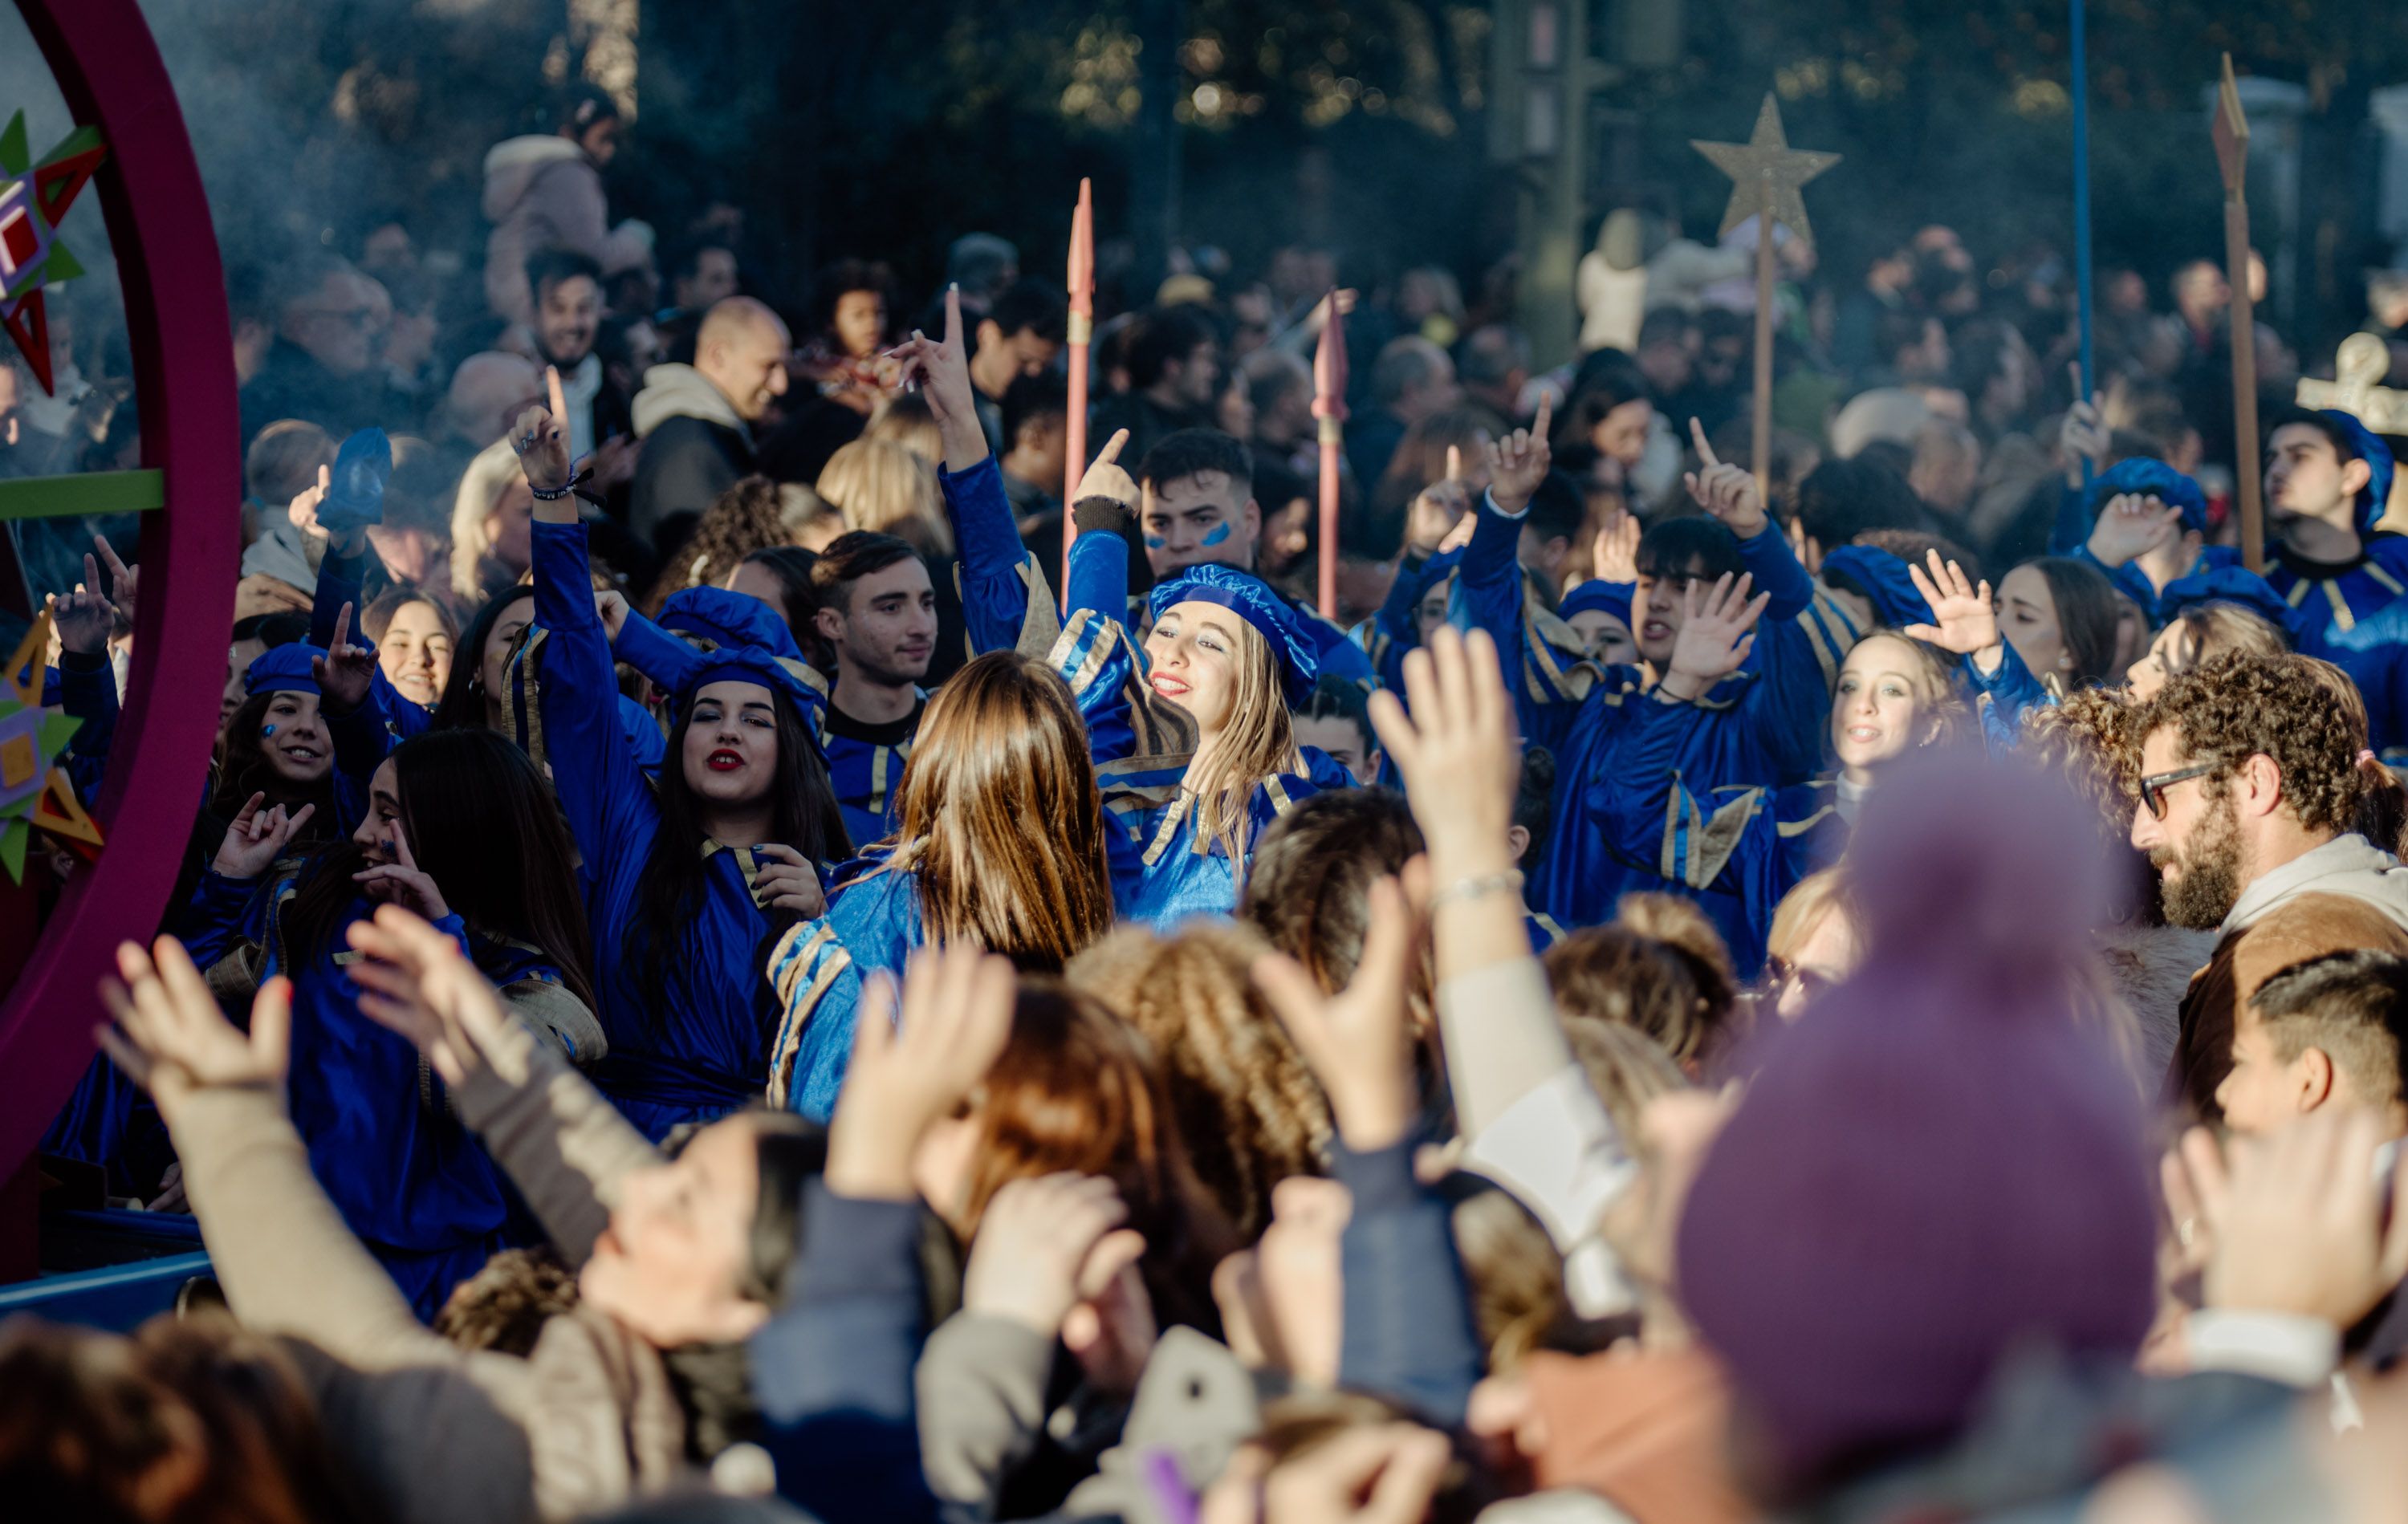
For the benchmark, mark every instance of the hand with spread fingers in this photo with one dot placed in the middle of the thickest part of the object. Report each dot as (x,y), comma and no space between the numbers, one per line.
(170,1036)
(257,838)
(1717,633)
(403,882)
(2130,526)
(1967,618)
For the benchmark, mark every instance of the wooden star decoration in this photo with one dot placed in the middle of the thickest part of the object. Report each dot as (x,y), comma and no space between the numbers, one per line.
(1765,174)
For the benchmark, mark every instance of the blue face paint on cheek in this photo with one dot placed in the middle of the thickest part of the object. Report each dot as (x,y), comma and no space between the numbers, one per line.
(1155,542)
(1217,532)
(266,731)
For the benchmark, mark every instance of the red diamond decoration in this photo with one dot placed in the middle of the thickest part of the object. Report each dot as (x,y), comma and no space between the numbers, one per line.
(56,185)
(28,323)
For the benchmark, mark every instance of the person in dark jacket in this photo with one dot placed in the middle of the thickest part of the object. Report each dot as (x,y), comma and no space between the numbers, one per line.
(321,368)
(696,420)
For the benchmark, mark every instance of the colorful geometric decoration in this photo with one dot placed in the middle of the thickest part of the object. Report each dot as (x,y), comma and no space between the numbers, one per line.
(35,792)
(34,196)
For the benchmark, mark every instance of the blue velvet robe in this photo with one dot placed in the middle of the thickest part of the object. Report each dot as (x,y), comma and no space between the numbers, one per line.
(705,1050)
(412,1181)
(872,925)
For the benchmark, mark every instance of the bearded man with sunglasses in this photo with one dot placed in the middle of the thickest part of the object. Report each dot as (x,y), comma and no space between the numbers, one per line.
(2251,771)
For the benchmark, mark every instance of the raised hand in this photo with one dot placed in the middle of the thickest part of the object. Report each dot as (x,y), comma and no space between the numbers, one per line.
(1437,509)
(83,618)
(1716,634)
(611,610)
(2300,1229)
(1107,478)
(171,1037)
(402,882)
(788,882)
(1456,749)
(303,509)
(1724,490)
(257,838)
(1967,619)
(1616,552)
(2132,525)
(1358,1042)
(955,1017)
(123,580)
(543,447)
(1518,463)
(942,369)
(347,672)
(415,980)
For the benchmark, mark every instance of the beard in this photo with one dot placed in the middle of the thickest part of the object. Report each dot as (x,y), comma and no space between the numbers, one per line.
(2203,894)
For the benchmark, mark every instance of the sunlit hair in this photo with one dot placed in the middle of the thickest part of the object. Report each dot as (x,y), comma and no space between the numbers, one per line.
(904,419)
(1000,818)
(1245,1102)
(488,480)
(880,485)
(1659,969)
(1308,887)
(1624,1067)
(1256,740)
(1942,716)
(1513,1272)
(2090,741)
(1804,908)
(1077,1090)
(2210,630)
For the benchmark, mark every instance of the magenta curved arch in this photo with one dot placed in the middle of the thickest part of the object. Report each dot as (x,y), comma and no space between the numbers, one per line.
(108,69)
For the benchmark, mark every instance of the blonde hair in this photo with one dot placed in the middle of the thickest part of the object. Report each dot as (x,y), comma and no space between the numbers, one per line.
(1940,702)
(1806,905)
(1242,1095)
(879,485)
(2217,628)
(488,480)
(905,419)
(1254,742)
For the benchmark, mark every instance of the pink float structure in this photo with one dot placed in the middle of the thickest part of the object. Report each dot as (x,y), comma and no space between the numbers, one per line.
(110,72)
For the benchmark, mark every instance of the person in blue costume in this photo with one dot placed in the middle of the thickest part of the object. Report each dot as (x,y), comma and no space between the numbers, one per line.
(2148,531)
(460,829)
(1737,843)
(691,877)
(1001,843)
(1599,612)
(877,613)
(1768,716)
(1194,745)
(692,619)
(84,683)
(306,735)
(1198,509)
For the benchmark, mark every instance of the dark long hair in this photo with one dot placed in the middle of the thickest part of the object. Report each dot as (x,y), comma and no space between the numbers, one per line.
(2085,614)
(462,704)
(248,771)
(669,891)
(483,825)
(790,565)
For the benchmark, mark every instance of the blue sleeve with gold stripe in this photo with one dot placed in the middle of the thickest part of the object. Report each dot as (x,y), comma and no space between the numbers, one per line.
(819,998)
(1007,604)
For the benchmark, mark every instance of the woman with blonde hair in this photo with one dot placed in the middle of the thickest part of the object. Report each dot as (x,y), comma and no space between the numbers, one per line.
(884,486)
(1001,844)
(2196,634)
(491,520)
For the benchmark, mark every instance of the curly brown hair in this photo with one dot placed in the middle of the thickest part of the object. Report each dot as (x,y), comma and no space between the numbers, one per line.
(1659,969)
(2090,739)
(1243,1099)
(744,520)
(2280,707)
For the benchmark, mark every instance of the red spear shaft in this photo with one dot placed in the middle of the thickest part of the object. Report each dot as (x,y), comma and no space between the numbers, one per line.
(1329,406)
(1083,326)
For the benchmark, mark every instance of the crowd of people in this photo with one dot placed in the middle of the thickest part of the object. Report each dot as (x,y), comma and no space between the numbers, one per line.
(759,939)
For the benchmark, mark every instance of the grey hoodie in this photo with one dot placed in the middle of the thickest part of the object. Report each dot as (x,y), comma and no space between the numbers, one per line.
(673,391)
(2348,865)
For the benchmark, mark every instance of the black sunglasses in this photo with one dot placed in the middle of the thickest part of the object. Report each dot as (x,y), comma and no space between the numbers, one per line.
(2153,787)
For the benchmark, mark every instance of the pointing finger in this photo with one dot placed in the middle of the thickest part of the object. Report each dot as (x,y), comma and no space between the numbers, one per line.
(551,389)
(1454,463)
(1546,415)
(1706,456)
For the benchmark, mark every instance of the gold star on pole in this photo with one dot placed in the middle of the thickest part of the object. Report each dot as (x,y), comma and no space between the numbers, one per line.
(1765,174)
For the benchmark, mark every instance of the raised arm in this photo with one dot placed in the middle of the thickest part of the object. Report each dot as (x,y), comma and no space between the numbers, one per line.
(1006,601)
(602,790)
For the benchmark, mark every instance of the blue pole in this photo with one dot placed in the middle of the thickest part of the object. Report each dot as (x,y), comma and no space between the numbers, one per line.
(2081,205)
